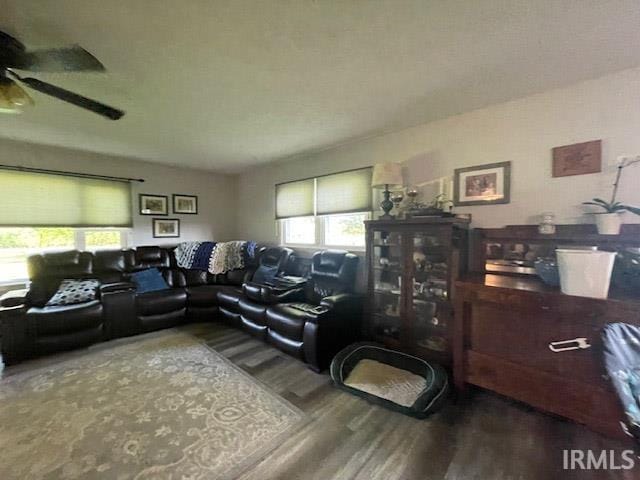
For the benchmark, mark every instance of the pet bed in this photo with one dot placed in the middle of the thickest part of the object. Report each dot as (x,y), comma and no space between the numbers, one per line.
(395,380)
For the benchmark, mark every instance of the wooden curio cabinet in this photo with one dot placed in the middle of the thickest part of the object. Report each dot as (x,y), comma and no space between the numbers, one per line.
(412,266)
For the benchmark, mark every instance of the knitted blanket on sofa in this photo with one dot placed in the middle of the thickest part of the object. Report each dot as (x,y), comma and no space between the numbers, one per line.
(215,258)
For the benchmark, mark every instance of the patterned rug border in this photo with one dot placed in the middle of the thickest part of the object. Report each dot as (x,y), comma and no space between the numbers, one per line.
(31,368)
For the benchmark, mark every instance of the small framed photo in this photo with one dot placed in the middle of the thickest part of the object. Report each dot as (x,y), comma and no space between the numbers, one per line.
(166,227)
(185,204)
(154,204)
(482,185)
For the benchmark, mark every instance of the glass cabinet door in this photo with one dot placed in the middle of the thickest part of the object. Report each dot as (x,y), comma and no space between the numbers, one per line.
(429,308)
(387,265)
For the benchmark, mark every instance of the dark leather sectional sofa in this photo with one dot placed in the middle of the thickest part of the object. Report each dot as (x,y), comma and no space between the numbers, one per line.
(312,322)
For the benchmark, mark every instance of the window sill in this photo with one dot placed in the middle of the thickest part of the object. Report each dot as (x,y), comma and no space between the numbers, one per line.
(316,248)
(13,285)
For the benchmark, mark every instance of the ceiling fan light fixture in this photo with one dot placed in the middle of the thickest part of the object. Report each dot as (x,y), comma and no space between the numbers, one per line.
(13,97)
(18,96)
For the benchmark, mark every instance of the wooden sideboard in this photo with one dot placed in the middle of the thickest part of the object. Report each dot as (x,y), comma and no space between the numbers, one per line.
(520,338)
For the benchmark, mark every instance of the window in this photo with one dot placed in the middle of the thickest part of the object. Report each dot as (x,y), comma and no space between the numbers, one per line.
(327,211)
(345,230)
(16,244)
(299,231)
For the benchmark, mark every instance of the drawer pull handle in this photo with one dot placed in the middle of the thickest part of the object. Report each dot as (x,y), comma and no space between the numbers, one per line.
(574,344)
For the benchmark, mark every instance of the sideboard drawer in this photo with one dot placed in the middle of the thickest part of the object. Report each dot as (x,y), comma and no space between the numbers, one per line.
(582,402)
(549,341)
(586,310)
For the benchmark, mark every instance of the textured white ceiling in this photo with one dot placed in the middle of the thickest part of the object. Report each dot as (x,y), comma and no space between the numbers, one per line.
(223,85)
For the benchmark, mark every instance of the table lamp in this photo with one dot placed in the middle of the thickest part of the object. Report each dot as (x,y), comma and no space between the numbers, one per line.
(386,175)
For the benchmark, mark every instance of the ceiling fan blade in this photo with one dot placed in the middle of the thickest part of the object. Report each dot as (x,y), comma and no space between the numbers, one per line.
(69,59)
(73,98)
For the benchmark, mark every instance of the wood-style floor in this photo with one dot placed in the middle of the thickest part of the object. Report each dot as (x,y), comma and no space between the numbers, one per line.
(482,437)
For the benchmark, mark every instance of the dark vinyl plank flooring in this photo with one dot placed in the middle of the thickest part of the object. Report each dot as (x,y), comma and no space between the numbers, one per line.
(483,437)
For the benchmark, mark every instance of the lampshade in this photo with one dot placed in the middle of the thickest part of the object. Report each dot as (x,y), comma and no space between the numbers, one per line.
(387,174)
(12,97)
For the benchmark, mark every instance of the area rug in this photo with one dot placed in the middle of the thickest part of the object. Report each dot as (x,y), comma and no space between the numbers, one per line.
(160,407)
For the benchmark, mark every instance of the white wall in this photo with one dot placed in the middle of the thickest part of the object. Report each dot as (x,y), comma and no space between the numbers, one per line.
(216,193)
(522,131)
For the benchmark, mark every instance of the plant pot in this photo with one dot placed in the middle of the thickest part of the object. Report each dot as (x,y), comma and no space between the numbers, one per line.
(608,223)
(585,273)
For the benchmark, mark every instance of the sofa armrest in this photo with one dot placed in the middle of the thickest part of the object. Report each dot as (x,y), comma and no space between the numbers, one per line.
(116,287)
(15,345)
(343,301)
(270,294)
(14,298)
(12,311)
(275,295)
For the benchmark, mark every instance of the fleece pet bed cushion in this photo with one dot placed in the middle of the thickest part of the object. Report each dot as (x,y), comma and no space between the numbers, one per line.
(72,291)
(149,280)
(395,380)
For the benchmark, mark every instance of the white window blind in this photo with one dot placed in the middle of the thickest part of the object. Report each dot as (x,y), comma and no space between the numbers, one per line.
(295,199)
(344,192)
(37,199)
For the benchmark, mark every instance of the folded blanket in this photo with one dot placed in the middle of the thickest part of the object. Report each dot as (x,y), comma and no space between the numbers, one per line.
(215,257)
(185,252)
(252,249)
(227,256)
(203,256)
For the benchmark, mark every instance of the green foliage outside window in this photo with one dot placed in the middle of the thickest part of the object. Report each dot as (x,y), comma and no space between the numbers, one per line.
(102,239)
(36,237)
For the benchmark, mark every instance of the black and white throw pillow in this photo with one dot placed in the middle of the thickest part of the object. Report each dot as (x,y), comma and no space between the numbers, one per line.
(73,291)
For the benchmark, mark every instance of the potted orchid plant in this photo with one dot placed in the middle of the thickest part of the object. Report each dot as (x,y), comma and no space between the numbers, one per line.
(609,221)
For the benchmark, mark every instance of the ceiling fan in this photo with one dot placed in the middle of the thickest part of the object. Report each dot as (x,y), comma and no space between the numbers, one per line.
(14,56)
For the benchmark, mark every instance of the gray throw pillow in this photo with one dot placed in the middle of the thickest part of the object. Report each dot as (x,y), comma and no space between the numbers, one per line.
(73,291)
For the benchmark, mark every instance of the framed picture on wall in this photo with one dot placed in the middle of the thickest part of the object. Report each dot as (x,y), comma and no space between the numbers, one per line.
(153,204)
(577,159)
(482,185)
(166,227)
(185,204)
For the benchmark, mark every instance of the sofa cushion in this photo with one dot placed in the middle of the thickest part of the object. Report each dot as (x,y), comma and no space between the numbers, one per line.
(72,291)
(229,297)
(252,310)
(204,295)
(174,277)
(287,320)
(286,344)
(65,319)
(59,265)
(161,301)
(149,280)
(195,277)
(152,256)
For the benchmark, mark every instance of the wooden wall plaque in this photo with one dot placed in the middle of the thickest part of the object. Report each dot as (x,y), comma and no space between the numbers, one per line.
(577,159)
